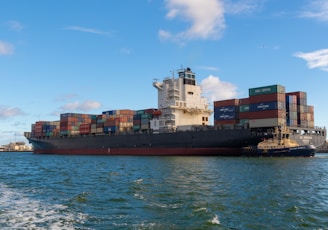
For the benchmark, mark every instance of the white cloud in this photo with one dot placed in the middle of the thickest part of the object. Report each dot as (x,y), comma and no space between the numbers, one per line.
(87,30)
(14,25)
(6,48)
(214,89)
(317,9)
(6,112)
(244,6)
(315,59)
(210,68)
(78,106)
(205,16)
(125,51)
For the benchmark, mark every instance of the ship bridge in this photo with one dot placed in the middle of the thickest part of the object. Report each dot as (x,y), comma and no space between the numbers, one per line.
(181,102)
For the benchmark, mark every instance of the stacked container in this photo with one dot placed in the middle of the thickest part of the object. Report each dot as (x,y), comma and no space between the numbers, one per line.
(142,118)
(226,112)
(118,121)
(243,110)
(291,110)
(305,113)
(70,123)
(267,106)
(45,129)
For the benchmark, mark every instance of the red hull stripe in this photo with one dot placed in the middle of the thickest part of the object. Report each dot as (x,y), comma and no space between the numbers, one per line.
(146,151)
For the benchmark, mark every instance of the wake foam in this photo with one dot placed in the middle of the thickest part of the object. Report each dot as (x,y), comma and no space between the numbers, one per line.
(17,211)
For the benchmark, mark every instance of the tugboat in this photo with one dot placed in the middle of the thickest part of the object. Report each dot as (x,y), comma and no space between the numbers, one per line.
(280,145)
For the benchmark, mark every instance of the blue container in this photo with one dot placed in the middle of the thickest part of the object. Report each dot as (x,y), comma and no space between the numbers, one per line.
(225,109)
(225,116)
(110,129)
(273,105)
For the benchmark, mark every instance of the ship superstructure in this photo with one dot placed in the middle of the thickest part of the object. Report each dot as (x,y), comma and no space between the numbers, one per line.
(181,103)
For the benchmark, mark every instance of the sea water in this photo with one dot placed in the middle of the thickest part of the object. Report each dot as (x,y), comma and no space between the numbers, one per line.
(130,192)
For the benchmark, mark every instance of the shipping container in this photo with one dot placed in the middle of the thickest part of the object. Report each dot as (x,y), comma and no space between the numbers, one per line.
(291,115)
(85,128)
(226,109)
(243,121)
(244,101)
(226,102)
(110,129)
(154,112)
(267,98)
(291,107)
(266,90)
(136,127)
(244,108)
(273,105)
(225,116)
(267,122)
(263,114)
(145,126)
(292,123)
(292,99)
(301,97)
(226,122)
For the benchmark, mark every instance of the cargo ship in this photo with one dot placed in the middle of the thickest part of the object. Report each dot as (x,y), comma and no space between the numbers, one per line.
(180,125)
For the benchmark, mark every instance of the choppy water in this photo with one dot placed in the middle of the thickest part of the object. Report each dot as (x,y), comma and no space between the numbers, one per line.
(85,192)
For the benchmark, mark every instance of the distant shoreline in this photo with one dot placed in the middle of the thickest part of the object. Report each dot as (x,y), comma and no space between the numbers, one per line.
(16,151)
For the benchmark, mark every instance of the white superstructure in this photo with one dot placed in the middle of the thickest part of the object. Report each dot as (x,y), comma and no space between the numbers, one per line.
(181,102)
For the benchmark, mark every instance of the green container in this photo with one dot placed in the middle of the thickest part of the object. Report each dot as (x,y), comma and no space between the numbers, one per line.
(136,127)
(139,112)
(243,121)
(146,116)
(266,90)
(244,108)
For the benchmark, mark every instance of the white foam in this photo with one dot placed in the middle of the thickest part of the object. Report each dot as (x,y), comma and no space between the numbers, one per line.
(201,209)
(215,220)
(138,181)
(21,212)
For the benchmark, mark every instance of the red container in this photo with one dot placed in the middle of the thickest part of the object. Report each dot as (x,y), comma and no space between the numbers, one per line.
(226,122)
(298,94)
(244,101)
(85,128)
(267,98)
(226,102)
(263,114)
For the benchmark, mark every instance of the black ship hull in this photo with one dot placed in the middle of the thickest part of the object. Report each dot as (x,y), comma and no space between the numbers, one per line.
(202,142)
(189,143)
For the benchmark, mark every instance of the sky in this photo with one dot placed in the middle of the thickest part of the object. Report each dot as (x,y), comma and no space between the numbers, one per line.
(80,56)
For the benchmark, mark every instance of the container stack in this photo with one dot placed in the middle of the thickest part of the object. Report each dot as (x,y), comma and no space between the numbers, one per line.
(226,112)
(97,124)
(45,128)
(267,106)
(142,118)
(305,113)
(70,123)
(291,110)
(243,110)
(118,121)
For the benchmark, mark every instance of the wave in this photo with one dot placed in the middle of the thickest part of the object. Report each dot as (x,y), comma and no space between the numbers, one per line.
(19,211)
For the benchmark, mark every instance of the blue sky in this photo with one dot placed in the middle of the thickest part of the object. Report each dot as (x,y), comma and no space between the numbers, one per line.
(92,56)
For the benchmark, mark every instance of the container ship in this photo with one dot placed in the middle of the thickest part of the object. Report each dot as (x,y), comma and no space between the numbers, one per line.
(180,125)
